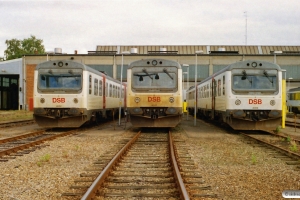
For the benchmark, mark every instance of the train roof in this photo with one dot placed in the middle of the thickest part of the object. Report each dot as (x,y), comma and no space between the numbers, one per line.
(70,64)
(257,64)
(154,62)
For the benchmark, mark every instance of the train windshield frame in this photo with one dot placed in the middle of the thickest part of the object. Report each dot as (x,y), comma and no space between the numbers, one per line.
(263,81)
(59,80)
(154,79)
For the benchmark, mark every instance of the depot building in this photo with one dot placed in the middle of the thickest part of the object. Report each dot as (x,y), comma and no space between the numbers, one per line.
(17,76)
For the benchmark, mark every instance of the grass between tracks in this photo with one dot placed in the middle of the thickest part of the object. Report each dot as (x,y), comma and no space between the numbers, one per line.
(12,115)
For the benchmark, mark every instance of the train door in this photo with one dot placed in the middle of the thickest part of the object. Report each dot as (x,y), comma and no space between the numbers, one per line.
(213,98)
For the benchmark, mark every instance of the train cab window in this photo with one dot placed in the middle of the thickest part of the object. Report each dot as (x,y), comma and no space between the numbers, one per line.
(96,87)
(258,80)
(90,84)
(224,85)
(158,79)
(56,80)
(100,88)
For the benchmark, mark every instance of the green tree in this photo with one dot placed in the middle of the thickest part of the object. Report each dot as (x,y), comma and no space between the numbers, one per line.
(16,48)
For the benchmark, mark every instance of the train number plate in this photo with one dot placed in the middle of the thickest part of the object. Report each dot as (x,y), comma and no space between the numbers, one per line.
(153,99)
(255,101)
(58,100)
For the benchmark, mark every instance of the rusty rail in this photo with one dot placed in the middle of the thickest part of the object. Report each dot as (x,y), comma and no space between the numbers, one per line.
(91,192)
(183,192)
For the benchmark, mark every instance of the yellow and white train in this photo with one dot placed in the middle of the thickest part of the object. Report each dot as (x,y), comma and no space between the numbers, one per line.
(154,93)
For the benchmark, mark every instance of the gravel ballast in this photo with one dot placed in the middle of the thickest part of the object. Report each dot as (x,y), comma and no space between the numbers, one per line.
(234,169)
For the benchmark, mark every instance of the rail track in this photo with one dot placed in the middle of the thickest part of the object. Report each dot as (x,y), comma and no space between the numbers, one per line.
(26,143)
(16,123)
(278,148)
(149,165)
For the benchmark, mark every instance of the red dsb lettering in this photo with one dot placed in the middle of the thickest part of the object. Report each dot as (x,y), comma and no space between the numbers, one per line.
(153,99)
(58,100)
(255,101)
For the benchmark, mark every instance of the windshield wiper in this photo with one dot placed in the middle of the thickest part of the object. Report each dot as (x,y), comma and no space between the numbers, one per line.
(267,75)
(165,70)
(245,76)
(145,71)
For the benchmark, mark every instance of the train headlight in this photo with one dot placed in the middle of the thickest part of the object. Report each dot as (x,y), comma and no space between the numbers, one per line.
(60,64)
(171,99)
(274,113)
(136,111)
(154,62)
(238,102)
(254,64)
(73,111)
(75,100)
(272,102)
(42,100)
(137,99)
(171,111)
(238,113)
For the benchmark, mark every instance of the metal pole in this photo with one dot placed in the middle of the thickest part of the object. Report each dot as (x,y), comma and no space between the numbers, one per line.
(195,92)
(120,93)
(187,114)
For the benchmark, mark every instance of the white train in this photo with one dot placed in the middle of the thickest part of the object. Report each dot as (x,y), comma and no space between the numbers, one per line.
(70,94)
(246,95)
(154,93)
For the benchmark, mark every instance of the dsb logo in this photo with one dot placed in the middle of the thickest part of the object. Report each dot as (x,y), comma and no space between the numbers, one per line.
(153,99)
(58,100)
(255,101)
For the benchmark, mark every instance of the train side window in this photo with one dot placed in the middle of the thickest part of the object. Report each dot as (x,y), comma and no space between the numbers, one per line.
(90,84)
(219,87)
(224,85)
(110,90)
(210,88)
(106,89)
(100,88)
(96,87)
(122,95)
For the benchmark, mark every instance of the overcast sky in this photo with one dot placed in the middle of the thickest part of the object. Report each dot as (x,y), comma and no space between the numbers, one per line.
(83,24)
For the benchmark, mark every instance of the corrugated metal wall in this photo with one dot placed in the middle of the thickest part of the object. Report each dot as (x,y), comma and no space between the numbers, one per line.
(191,49)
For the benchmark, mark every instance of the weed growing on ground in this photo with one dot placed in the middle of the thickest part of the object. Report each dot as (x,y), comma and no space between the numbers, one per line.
(43,159)
(293,146)
(288,139)
(277,130)
(253,159)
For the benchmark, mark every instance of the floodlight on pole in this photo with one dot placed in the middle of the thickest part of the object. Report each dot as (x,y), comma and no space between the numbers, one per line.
(121,83)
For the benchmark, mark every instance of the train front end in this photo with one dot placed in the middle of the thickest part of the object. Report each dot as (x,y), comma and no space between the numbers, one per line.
(255,99)
(154,93)
(58,94)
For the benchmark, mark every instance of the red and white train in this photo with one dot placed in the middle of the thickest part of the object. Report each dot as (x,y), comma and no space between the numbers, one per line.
(70,94)
(246,95)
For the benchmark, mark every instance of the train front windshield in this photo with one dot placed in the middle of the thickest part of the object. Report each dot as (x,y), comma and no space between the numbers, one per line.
(158,79)
(255,80)
(54,80)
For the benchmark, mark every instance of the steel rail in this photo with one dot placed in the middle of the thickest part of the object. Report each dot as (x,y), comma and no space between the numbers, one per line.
(286,152)
(25,146)
(21,136)
(183,192)
(91,192)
